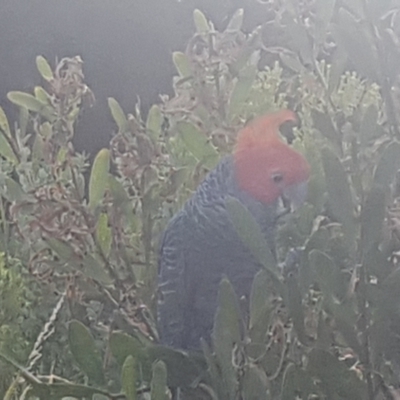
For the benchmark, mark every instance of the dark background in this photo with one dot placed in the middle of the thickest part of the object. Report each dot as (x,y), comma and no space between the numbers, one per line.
(126,46)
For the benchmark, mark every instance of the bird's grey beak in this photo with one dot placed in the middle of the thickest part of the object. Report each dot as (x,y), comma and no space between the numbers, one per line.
(294,196)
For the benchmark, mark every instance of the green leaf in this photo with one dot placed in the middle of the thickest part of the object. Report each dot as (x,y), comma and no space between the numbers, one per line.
(42,95)
(369,128)
(98,178)
(63,250)
(129,378)
(323,123)
(324,11)
(197,143)
(372,217)
(182,64)
(296,384)
(123,345)
(103,234)
(118,114)
(200,21)
(292,61)
(93,269)
(338,66)
(44,68)
(236,22)
(85,352)
(336,377)
(260,307)
(6,150)
(388,166)
(254,383)
(13,191)
(241,91)
(226,333)
(4,126)
(31,103)
(251,235)
(158,385)
(183,369)
(326,273)
(38,148)
(295,307)
(23,119)
(154,121)
(339,194)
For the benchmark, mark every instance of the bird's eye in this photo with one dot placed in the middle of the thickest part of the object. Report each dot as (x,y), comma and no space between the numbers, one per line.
(277,177)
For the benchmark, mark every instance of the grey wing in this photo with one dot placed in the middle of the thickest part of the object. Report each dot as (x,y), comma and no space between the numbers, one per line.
(172,287)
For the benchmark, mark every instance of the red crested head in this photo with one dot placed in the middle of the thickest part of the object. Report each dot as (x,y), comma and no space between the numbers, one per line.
(265,166)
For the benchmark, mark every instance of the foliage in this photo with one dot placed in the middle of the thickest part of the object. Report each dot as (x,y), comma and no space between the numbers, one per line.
(80,260)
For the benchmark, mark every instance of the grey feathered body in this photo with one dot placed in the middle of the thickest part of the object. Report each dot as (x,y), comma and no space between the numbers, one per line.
(198,247)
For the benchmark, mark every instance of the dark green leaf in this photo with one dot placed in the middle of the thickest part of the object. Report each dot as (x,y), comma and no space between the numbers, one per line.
(129,378)
(296,384)
(338,65)
(198,144)
(323,123)
(95,270)
(339,194)
(260,307)
(292,61)
(85,352)
(388,166)
(335,376)
(241,91)
(158,385)
(98,178)
(372,217)
(226,334)
(250,233)
(254,384)
(369,125)
(63,250)
(103,234)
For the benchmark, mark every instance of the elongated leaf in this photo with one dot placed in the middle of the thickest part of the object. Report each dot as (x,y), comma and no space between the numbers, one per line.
(297,383)
(98,178)
(324,12)
(388,166)
(335,376)
(6,150)
(340,198)
(63,250)
(42,95)
(4,126)
(118,114)
(85,352)
(295,307)
(123,345)
(23,118)
(260,308)
(235,24)
(103,234)
(92,268)
(241,91)
(31,103)
(198,144)
(129,378)
(323,123)
(250,233)
(200,21)
(369,125)
(13,190)
(327,274)
(182,64)
(254,384)
(154,121)
(226,333)
(292,61)
(158,385)
(372,217)
(44,68)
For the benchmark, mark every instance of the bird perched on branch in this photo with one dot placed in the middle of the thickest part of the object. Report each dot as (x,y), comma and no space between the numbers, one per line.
(200,244)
